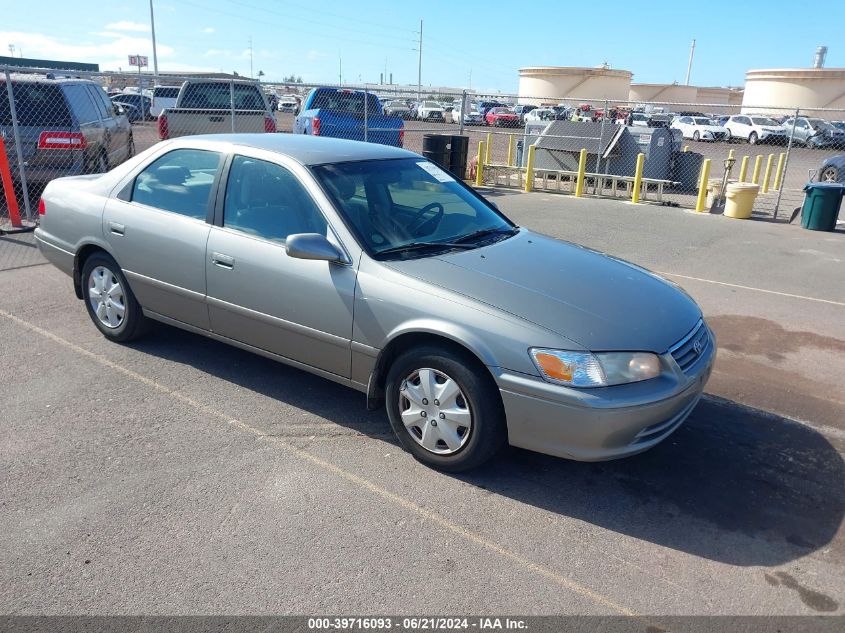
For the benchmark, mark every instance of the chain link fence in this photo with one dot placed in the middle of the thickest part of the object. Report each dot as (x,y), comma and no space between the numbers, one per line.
(57,123)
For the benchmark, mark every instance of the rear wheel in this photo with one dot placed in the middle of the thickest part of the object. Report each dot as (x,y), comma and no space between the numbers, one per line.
(445,409)
(109,300)
(752,138)
(829,174)
(696,136)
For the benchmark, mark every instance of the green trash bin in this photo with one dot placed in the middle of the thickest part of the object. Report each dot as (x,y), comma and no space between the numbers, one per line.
(821,205)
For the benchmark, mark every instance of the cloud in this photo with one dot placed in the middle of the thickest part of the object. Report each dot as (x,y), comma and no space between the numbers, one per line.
(218,52)
(313,55)
(209,30)
(126,25)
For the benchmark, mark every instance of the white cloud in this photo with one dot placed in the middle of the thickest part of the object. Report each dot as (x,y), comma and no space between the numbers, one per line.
(218,52)
(126,25)
(314,55)
(113,47)
(209,30)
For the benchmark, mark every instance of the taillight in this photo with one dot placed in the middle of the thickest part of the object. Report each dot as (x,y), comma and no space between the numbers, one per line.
(315,126)
(269,124)
(61,140)
(163,131)
(41,208)
(402,136)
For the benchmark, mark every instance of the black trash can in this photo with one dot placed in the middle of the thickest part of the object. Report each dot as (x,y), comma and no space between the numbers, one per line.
(821,205)
(436,148)
(458,156)
(686,167)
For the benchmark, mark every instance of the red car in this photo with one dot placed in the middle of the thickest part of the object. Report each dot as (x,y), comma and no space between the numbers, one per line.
(502,117)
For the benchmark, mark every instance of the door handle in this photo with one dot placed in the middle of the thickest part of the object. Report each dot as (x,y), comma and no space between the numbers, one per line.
(117,229)
(223,261)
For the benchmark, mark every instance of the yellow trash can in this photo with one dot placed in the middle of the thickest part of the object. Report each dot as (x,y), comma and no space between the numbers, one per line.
(739,200)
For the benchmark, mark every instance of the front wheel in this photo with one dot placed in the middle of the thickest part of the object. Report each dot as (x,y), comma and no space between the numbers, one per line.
(829,174)
(445,409)
(752,138)
(109,300)
(696,136)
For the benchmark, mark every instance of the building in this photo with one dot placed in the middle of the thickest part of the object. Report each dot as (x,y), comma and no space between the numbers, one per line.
(27,62)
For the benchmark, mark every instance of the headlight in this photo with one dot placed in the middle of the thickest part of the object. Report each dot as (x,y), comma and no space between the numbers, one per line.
(584,369)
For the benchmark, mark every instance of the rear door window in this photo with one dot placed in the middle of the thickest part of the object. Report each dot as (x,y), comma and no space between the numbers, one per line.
(81,103)
(179,182)
(36,105)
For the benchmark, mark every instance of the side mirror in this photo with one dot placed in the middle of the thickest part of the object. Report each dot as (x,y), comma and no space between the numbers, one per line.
(312,246)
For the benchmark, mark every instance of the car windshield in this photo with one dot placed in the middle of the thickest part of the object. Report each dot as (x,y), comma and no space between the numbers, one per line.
(759,120)
(699,120)
(409,202)
(821,124)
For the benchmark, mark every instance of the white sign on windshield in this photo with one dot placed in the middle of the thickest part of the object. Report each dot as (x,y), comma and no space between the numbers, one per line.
(435,171)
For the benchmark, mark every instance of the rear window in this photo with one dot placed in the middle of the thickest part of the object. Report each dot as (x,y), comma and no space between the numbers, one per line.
(166,92)
(345,101)
(37,105)
(219,96)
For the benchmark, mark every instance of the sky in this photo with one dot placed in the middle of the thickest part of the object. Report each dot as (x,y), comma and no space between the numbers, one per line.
(466,44)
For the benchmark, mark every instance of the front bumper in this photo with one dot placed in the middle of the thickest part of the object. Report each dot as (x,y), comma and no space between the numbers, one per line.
(604,423)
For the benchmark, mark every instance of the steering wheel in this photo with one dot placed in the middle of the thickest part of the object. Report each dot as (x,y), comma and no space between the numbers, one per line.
(417,222)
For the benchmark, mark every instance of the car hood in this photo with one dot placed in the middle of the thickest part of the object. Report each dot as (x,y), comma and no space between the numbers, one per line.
(599,302)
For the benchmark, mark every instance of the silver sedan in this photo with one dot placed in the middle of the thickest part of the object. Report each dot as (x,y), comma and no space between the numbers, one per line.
(373,267)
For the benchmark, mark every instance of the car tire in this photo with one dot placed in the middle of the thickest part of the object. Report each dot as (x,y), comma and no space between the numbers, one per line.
(473,398)
(130,151)
(753,138)
(728,136)
(829,174)
(696,136)
(109,300)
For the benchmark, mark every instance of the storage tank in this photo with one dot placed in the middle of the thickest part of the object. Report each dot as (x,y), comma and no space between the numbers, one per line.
(662,93)
(779,90)
(549,84)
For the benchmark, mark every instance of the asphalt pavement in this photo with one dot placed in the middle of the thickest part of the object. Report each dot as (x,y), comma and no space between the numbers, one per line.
(177,475)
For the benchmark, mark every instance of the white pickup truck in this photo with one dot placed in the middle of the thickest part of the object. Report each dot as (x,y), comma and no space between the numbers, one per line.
(206,106)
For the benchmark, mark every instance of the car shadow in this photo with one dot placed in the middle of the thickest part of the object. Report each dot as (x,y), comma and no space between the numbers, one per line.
(733,484)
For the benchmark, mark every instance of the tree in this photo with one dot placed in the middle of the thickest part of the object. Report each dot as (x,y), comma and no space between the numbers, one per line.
(292,79)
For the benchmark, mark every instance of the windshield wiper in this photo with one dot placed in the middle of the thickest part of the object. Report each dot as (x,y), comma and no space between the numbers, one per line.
(414,246)
(483,233)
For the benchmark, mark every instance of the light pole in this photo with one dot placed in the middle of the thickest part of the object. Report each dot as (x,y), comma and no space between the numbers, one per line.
(419,67)
(155,54)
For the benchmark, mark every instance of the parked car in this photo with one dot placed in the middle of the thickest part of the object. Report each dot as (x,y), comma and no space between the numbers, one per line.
(141,102)
(67,127)
(430,111)
(470,117)
(485,106)
(838,124)
(815,133)
(541,114)
(502,117)
(832,170)
(272,101)
(755,129)
(397,108)
(206,106)
(128,110)
(338,258)
(636,119)
(288,103)
(699,128)
(339,113)
(163,97)
(522,110)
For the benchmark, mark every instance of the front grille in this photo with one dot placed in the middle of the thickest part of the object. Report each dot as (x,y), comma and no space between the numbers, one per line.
(690,348)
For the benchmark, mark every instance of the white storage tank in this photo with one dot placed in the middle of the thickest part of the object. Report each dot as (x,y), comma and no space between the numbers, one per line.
(662,93)
(548,84)
(779,90)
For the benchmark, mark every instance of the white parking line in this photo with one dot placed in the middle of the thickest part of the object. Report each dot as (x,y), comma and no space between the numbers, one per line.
(361,482)
(771,292)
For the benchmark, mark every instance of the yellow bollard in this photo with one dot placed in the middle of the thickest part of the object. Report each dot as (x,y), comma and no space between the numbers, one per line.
(768,174)
(731,154)
(479,167)
(638,178)
(686,148)
(755,177)
(702,185)
(487,160)
(511,147)
(529,169)
(582,169)
(779,171)
(743,169)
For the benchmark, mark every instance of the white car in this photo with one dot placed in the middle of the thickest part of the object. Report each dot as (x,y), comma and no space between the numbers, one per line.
(430,110)
(755,129)
(288,103)
(541,114)
(163,97)
(472,116)
(699,128)
(638,119)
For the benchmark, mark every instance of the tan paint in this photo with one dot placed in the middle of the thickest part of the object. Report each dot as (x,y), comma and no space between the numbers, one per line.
(549,84)
(781,90)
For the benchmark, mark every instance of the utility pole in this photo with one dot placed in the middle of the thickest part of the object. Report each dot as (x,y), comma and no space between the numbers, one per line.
(250,58)
(155,54)
(419,67)
(689,65)
(339,69)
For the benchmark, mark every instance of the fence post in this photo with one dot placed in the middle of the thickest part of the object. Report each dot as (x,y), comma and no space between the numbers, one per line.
(638,178)
(18,150)
(529,169)
(601,138)
(463,109)
(755,176)
(511,145)
(779,171)
(479,165)
(366,104)
(582,168)
(232,103)
(786,161)
(686,148)
(743,169)
(767,176)
(702,185)
(489,148)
